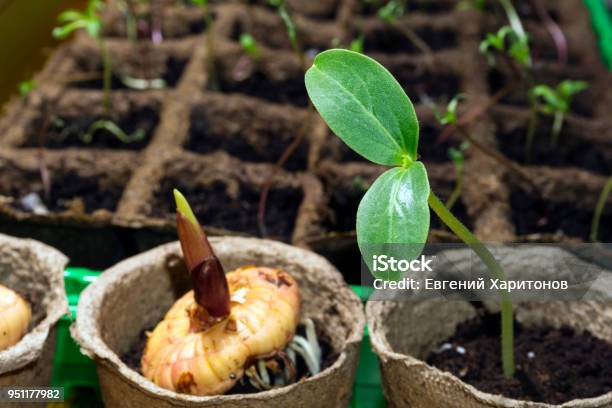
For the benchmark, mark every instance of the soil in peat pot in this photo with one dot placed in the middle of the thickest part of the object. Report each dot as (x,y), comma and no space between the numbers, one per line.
(208,134)
(172,73)
(133,359)
(532,215)
(215,207)
(389,40)
(289,91)
(71,186)
(370,8)
(571,151)
(62,132)
(554,365)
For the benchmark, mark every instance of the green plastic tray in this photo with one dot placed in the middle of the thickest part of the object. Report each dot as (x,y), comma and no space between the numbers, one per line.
(77,373)
(601,19)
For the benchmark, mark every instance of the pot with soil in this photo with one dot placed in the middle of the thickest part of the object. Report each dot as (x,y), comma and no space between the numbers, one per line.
(440,353)
(32,300)
(283,333)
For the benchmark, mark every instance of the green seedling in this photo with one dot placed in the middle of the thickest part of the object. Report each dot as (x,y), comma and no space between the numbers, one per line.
(296,46)
(365,107)
(359,184)
(26,87)
(210,42)
(601,203)
(356,44)
(90,21)
(450,115)
(303,130)
(112,128)
(390,13)
(249,45)
(455,154)
(555,102)
(506,42)
(458,158)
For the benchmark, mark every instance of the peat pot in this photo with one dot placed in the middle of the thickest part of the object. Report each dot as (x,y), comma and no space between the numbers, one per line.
(403,333)
(36,272)
(135,294)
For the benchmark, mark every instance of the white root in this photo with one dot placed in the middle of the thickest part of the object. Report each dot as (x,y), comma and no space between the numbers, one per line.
(307,348)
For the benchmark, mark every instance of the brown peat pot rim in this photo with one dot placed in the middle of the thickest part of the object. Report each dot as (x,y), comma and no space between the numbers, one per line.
(431,380)
(91,337)
(29,258)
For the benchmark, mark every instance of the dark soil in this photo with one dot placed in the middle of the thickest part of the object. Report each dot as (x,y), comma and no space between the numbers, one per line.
(553,365)
(72,186)
(289,91)
(532,215)
(63,132)
(343,203)
(390,40)
(419,84)
(571,150)
(207,136)
(430,150)
(215,207)
(132,358)
(371,7)
(171,75)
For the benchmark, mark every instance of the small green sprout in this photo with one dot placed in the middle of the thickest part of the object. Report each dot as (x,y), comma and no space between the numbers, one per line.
(450,115)
(601,203)
(282,11)
(458,158)
(367,109)
(359,184)
(356,44)
(506,41)
(204,5)
(392,11)
(455,154)
(114,129)
(556,102)
(249,44)
(91,22)
(26,87)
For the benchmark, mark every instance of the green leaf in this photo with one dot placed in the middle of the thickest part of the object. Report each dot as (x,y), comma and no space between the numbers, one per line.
(568,88)
(70,15)
(365,106)
(395,211)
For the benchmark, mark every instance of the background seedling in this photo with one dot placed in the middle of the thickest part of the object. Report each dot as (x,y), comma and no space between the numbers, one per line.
(506,41)
(210,43)
(556,102)
(112,128)
(301,134)
(390,13)
(601,203)
(249,45)
(91,22)
(458,158)
(296,46)
(365,106)
(356,44)
(451,120)
(26,87)
(455,154)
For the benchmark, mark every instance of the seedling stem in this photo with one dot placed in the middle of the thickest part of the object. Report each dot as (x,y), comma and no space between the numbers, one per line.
(603,198)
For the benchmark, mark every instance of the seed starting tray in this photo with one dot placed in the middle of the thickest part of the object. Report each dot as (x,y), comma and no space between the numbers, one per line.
(217,137)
